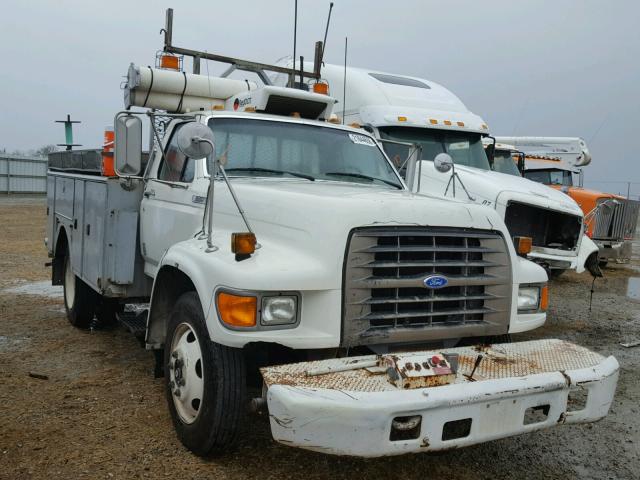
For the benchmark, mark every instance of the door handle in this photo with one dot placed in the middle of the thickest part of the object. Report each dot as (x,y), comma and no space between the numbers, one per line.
(150,193)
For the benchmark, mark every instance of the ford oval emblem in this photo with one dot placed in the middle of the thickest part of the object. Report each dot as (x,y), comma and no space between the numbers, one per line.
(435,281)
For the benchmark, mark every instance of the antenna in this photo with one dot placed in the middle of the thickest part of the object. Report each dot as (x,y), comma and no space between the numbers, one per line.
(295,31)
(344,81)
(326,30)
(68,133)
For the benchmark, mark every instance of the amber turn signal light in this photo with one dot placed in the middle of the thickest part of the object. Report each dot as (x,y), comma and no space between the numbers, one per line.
(522,245)
(237,310)
(170,61)
(243,243)
(321,87)
(544,298)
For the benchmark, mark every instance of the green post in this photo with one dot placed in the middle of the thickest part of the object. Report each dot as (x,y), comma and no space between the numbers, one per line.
(68,133)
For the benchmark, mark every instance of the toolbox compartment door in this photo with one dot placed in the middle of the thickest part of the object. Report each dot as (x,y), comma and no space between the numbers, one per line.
(122,233)
(95,209)
(76,231)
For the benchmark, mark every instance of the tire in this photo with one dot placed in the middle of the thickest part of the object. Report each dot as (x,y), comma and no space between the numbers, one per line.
(555,273)
(79,298)
(205,382)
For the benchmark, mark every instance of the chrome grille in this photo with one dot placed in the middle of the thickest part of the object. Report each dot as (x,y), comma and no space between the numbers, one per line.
(386,301)
(616,219)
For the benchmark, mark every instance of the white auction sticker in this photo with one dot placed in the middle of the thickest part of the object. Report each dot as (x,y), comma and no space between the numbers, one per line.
(362,139)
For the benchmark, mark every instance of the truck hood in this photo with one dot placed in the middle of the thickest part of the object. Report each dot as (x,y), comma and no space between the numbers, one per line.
(321,205)
(303,227)
(496,189)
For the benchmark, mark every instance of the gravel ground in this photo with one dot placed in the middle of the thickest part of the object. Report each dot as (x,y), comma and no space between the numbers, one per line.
(101,414)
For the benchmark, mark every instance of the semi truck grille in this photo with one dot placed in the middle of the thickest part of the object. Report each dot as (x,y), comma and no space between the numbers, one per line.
(547,228)
(616,219)
(386,299)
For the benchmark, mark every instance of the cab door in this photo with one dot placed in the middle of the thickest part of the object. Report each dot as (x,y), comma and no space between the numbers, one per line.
(172,207)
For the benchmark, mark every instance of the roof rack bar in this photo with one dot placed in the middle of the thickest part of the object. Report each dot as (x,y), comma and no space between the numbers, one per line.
(240,64)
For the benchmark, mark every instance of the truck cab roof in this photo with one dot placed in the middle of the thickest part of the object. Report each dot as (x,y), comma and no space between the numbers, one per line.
(383,99)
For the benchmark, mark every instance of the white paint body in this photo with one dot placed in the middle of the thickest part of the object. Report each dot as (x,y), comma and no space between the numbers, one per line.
(302,228)
(377,104)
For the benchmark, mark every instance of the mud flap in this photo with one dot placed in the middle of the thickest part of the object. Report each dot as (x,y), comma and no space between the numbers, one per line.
(592,264)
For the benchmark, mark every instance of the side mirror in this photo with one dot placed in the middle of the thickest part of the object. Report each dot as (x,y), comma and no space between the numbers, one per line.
(128,145)
(443,162)
(195,140)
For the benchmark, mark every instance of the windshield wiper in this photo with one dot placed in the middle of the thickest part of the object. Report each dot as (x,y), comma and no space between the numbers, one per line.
(366,177)
(270,170)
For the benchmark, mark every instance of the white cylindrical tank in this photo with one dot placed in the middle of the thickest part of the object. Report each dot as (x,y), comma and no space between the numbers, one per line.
(178,91)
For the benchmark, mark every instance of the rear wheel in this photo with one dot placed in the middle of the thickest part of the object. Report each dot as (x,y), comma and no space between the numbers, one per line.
(79,298)
(205,381)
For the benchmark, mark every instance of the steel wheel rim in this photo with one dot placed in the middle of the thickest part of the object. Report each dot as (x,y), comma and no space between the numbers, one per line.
(186,374)
(69,285)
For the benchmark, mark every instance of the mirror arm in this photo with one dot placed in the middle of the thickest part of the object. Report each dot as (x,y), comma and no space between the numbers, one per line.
(216,163)
(235,198)
(210,246)
(226,180)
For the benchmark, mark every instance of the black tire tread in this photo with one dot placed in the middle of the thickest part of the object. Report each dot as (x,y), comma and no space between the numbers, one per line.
(215,435)
(81,312)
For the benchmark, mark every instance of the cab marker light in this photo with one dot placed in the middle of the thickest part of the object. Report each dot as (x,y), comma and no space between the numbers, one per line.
(243,243)
(170,62)
(402,119)
(460,124)
(433,121)
(447,122)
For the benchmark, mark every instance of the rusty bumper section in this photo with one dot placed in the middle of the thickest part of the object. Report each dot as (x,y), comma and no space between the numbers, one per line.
(516,388)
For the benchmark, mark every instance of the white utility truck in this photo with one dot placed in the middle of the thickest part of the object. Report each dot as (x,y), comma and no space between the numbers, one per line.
(398,108)
(261,234)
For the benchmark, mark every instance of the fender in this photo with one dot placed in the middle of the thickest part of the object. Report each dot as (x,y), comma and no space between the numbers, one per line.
(61,241)
(587,248)
(187,266)
(528,272)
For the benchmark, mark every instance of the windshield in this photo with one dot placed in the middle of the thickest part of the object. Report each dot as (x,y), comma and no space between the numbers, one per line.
(464,147)
(503,162)
(550,177)
(263,148)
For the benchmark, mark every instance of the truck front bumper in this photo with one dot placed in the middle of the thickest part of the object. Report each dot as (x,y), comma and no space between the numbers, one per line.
(342,421)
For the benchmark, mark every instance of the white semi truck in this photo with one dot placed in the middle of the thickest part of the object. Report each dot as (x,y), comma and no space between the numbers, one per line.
(261,234)
(398,108)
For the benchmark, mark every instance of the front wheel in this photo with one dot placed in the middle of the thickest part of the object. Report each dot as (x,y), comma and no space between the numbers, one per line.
(79,298)
(205,381)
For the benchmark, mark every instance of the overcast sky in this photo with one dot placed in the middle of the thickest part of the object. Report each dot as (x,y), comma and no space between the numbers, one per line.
(558,68)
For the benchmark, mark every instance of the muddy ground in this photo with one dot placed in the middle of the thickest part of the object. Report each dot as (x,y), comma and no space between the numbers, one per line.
(101,414)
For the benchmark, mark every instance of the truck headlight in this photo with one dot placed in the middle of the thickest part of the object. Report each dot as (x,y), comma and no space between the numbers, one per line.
(280,310)
(528,298)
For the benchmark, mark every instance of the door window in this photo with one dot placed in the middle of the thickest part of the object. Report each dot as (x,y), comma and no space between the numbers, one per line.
(175,166)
